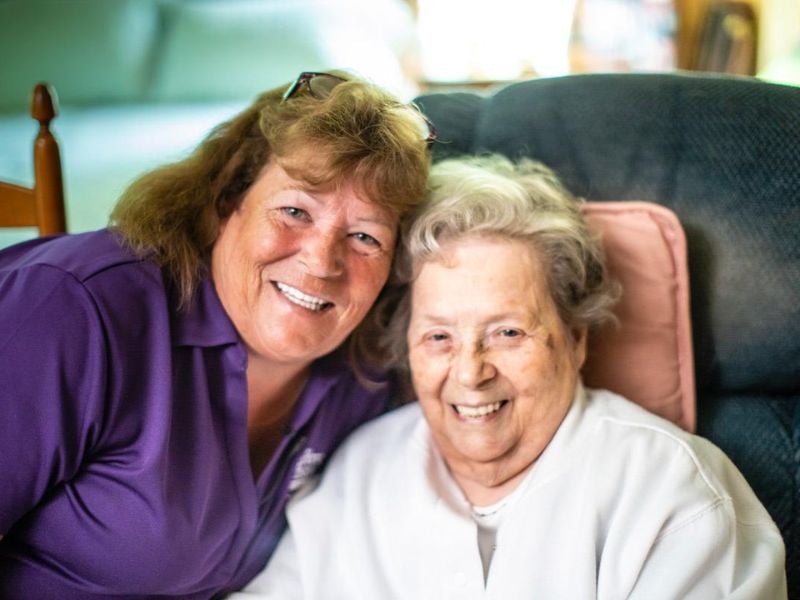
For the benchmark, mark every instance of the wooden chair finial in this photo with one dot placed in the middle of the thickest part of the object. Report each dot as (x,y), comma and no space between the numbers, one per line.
(43,105)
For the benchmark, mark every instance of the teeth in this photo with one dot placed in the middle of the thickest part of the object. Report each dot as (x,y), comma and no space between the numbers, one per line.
(297,297)
(478,411)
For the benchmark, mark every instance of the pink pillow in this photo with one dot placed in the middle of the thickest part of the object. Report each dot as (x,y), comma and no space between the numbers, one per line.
(648,357)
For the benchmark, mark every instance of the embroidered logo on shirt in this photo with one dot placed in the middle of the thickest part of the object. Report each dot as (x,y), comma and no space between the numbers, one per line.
(306,467)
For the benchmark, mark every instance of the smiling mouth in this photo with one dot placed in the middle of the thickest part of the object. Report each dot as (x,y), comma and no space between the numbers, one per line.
(299,298)
(474,412)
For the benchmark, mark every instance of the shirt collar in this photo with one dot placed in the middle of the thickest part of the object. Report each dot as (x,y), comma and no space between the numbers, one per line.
(204,321)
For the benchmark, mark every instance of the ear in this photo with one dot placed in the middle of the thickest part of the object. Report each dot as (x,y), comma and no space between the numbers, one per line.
(579,337)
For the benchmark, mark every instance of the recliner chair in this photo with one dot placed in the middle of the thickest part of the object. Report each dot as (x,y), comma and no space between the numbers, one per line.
(723,153)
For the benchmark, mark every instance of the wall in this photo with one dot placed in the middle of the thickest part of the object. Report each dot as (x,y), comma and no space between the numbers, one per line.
(779,29)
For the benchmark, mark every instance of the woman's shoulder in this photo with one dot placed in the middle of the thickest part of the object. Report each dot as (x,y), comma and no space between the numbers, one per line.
(374,469)
(94,264)
(619,414)
(51,275)
(81,255)
(386,434)
(662,454)
(623,426)
(373,449)
(92,272)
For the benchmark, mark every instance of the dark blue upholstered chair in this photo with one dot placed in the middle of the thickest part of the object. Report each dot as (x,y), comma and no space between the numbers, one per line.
(723,153)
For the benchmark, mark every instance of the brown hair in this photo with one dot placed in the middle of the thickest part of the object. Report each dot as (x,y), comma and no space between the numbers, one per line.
(172,214)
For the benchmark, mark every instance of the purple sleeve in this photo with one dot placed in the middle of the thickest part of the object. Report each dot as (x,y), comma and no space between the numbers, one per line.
(52,377)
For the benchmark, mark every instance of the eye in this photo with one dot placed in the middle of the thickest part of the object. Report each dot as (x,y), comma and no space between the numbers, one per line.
(365,243)
(509,333)
(506,336)
(433,342)
(437,338)
(294,213)
(366,239)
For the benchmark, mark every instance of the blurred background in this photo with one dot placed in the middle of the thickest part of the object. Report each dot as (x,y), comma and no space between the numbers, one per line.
(510,39)
(140,82)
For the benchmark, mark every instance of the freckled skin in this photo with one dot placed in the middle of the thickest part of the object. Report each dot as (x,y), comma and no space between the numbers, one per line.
(322,243)
(484,328)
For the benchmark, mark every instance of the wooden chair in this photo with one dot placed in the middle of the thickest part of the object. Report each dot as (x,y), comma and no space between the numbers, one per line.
(41,206)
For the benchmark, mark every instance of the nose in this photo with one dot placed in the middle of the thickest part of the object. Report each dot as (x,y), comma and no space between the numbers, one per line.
(473,367)
(322,253)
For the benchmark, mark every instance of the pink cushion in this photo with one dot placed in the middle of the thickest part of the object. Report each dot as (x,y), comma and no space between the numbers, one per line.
(648,357)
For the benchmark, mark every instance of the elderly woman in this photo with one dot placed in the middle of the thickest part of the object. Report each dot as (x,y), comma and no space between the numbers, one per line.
(167,383)
(508,479)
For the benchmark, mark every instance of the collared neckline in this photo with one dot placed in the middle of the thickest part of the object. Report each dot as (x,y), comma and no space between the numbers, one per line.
(204,321)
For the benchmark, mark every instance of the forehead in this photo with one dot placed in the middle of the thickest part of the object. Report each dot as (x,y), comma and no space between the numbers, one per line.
(481,274)
(281,174)
(347,192)
(314,171)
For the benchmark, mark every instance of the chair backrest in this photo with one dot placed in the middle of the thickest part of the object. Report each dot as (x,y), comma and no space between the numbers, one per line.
(42,205)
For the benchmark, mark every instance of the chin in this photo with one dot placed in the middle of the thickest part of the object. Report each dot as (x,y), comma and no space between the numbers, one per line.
(481,454)
(290,351)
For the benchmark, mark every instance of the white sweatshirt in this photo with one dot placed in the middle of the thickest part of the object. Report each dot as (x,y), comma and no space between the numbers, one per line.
(622,504)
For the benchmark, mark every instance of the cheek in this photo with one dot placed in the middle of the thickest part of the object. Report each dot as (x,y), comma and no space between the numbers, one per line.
(427,372)
(271,240)
(533,376)
(380,274)
(545,386)
(418,375)
(368,280)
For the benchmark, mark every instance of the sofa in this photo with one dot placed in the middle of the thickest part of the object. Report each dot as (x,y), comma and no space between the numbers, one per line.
(140,82)
(721,152)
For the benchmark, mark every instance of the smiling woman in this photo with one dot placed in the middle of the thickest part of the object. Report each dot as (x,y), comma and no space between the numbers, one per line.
(297,269)
(508,478)
(184,371)
(494,367)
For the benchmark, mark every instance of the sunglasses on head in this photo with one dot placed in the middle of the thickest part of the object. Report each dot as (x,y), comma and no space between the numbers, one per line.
(320,86)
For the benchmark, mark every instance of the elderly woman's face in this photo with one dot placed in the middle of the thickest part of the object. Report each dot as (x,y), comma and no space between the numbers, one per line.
(297,269)
(493,365)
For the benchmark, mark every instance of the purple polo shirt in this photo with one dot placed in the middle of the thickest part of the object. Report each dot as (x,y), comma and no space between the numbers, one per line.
(124,463)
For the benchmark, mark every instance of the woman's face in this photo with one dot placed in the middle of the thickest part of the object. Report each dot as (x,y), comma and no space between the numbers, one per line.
(297,269)
(493,366)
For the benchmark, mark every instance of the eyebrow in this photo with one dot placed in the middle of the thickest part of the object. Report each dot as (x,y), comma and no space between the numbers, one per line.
(377,221)
(312,191)
(435,319)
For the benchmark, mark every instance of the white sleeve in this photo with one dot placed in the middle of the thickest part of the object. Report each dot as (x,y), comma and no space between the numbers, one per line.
(730,549)
(713,557)
(280,580)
